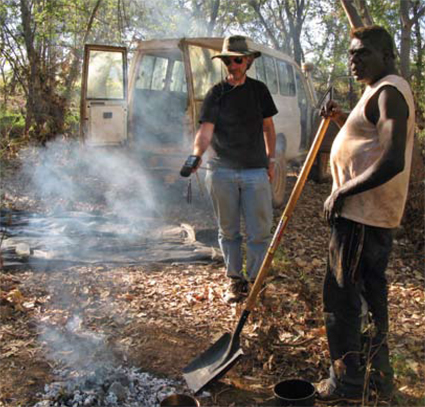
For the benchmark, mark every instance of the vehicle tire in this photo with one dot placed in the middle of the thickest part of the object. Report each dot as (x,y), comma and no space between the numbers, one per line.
(279,181)
(319,172)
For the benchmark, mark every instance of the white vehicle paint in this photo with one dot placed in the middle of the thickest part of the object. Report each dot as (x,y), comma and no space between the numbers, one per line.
(157,113)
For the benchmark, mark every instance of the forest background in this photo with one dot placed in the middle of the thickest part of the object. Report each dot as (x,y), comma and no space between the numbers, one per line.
(41,52)
(42,42)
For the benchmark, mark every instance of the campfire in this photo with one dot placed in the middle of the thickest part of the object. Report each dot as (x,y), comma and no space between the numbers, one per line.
(85,370)
(88,374)
(106,386)
(97,211)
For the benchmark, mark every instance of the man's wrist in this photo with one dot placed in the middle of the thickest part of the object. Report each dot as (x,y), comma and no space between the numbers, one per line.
(272,159)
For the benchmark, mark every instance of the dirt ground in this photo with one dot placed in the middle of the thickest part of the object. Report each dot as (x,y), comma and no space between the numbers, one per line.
(160,316)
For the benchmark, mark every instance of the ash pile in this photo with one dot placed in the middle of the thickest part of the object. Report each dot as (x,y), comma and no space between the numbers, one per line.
(106,386)
(88,374)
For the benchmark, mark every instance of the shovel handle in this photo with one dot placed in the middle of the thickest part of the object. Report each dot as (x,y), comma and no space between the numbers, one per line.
(286,215)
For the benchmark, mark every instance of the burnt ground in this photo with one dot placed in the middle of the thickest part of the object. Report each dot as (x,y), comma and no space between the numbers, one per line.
(159,316)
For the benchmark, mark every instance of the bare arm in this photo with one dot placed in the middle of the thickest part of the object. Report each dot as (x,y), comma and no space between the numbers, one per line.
(389,112)
(202,140)
(270,141)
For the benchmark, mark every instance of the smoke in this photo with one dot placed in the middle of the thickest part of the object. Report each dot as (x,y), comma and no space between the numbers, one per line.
(73,176)
(76,347)
(94,199)
(167,19)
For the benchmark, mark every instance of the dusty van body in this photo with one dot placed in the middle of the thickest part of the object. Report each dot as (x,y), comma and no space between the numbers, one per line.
(156,110)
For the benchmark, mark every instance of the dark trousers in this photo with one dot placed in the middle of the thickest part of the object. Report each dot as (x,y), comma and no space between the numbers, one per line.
(358,257)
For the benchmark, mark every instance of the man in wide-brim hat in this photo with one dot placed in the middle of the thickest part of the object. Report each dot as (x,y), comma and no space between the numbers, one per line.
(236,120)
(236,46)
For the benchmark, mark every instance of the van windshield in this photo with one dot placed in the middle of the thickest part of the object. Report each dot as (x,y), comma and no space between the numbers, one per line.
(206,71)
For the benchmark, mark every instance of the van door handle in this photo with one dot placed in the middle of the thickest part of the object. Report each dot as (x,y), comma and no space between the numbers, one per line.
(107,115)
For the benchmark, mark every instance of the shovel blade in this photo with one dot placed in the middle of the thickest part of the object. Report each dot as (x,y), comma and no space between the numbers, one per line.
(213,363)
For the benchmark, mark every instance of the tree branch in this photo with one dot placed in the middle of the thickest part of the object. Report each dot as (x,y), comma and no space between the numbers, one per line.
(404,14)
(73,72)
(352,14)
(254,4)
(364,10)
(420,13)
(90,23)
(213,19)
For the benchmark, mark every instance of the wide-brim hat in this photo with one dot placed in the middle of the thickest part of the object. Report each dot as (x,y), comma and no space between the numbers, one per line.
(236,46)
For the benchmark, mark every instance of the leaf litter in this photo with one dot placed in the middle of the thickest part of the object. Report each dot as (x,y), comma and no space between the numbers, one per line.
(158,317)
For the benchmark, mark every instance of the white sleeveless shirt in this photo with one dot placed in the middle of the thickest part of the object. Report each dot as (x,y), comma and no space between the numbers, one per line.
(356,147)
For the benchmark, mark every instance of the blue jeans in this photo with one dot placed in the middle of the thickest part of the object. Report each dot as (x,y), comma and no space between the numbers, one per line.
(241,194)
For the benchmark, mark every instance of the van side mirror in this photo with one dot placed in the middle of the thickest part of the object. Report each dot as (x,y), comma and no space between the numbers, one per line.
(307,67)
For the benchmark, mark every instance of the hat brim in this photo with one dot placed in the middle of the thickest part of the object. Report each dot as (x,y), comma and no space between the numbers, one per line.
(254,54)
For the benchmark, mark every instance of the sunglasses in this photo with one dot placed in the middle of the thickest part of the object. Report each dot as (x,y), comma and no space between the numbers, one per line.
(228,60)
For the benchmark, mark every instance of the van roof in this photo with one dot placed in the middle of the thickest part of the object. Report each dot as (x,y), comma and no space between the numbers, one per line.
(208,42)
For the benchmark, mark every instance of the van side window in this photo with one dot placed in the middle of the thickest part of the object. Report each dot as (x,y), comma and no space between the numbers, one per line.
(259,69)
(286,78)
(302,94)
(178,78)
(152,73)
(266,72)
(206,71)
(270,70)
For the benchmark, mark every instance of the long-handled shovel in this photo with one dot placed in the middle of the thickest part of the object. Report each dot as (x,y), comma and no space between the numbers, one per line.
(224,353)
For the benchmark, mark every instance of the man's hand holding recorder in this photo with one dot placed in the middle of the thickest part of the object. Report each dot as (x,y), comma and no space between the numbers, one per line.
(190,165)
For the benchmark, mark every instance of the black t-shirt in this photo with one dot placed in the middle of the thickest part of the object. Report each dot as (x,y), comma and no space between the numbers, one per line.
(237,114)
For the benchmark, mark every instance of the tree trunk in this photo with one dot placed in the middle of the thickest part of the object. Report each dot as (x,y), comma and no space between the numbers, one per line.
(406,32)
(77,56)
(5,82)
(419,58)
(365,15)
(31,71)
(213,19)
(352,14)
(295,27)
(37,104)
(254,4)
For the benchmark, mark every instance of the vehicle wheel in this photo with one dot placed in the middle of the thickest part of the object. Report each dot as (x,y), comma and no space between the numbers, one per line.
(279,182)
(319,172)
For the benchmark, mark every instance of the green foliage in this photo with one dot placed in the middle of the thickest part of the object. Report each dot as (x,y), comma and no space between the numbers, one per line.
(326,46)
(49,60)
(72,121)
(386,13)
(12,127)
(11,124)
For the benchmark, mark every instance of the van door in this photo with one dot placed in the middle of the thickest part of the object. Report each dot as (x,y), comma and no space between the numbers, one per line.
(306,113)
(103,119)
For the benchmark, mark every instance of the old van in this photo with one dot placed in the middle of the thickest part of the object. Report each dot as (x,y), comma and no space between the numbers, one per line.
(155,108)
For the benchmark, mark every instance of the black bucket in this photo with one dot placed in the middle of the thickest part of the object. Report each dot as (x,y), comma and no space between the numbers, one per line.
(179,400)
(294,392)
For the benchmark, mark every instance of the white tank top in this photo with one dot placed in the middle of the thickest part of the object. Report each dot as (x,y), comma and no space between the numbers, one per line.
(356,147)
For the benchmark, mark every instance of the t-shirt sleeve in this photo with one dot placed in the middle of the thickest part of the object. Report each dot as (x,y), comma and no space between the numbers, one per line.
(210,107)
(268,106)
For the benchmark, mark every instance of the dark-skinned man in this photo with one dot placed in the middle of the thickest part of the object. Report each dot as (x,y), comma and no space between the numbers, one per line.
(370,163)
